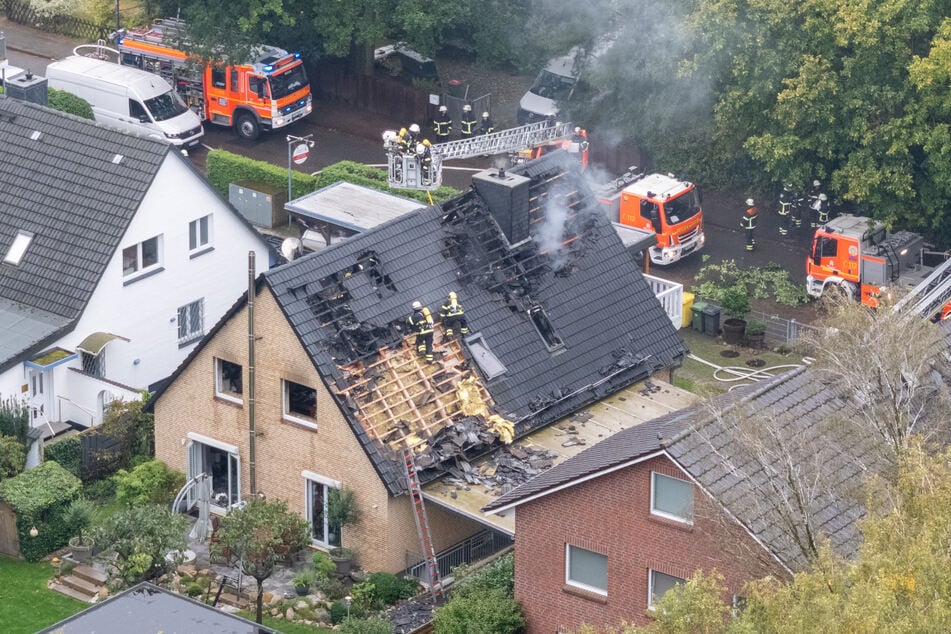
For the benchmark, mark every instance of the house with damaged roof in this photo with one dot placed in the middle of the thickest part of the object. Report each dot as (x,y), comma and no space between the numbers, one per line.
(748,484)
(114,256)
(559,316)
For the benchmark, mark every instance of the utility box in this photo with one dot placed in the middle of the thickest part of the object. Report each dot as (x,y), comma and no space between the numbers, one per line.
(28,87)
(696,312)
(711,320)
(261,204)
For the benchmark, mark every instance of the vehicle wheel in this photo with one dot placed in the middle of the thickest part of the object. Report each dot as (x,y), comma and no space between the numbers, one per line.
(836,295)
(247,127)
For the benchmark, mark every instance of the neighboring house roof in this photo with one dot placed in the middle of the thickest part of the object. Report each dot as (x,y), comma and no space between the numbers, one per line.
(710,443)
(351,206)
(154,609)
(555,298)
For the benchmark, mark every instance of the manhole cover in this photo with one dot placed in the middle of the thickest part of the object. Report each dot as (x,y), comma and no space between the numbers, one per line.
(756,363)
(729,354)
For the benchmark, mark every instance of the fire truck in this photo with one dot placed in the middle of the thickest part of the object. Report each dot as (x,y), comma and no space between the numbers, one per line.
(859,258)
(661,204)
(267,92)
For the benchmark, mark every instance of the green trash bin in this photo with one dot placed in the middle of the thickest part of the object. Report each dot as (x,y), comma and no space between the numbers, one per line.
(697,317)
(711,320)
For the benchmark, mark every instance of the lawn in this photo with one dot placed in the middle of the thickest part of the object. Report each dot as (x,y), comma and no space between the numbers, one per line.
(26,605)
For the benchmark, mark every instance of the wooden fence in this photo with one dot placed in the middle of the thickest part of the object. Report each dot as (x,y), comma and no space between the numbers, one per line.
(21,12)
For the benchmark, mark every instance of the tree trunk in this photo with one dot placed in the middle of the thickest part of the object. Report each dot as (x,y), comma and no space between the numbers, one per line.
(260,601)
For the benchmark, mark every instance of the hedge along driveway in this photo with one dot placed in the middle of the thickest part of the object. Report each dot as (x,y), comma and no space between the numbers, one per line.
(26,604)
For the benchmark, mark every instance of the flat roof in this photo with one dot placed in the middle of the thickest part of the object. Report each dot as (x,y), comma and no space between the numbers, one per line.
(631,406)
(350,206)
(635,239)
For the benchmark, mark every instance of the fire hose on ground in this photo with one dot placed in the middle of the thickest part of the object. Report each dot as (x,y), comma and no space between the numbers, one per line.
(732,374)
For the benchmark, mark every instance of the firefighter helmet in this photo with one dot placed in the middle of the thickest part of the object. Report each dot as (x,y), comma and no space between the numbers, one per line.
(577,130)
(426,142)
(443,109)
(823,197)
(420,148)
(402,131)
(467,108)
(816,183)
(414,129)
(749,202)
(417,305)
(485,115)
(452,295)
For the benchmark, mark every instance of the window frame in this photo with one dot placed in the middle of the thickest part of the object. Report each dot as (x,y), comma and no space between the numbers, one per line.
(228,395)
(580,584)
(17,249)
(296,417)
(194,231)
(191,336)
(141,270)
(651,604)
(667,514)
(312,479)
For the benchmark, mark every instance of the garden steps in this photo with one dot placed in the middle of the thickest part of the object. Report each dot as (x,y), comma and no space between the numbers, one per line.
(80,585)
(83,582)
(93,576)
(76,594)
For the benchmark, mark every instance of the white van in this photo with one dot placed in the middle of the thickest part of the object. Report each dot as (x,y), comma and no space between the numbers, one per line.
(128,99)
(558,81)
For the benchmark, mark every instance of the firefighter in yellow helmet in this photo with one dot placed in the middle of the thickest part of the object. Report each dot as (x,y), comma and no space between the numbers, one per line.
(403,140)
(453,316)
(421,321)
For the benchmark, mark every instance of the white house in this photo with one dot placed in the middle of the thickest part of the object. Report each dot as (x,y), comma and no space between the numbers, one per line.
(115,257)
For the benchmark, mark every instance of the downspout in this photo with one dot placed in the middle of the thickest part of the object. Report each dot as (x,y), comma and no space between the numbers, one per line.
(254,490)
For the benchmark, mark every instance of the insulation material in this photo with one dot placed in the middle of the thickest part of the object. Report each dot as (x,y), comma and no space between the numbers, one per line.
(470,398)
(502,428)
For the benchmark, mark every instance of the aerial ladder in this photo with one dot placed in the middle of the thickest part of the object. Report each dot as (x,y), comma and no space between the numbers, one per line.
(405,170)
(932,297)
(422,526)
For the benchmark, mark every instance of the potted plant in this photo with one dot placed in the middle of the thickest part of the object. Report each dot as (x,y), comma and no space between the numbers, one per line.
(78,516)
(342,510)
(736,304)
(303,581)
(343,560)
(755,333)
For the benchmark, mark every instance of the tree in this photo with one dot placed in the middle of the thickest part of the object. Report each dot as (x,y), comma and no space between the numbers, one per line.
(256,534)
(141,537)
(12,457)
(14,419)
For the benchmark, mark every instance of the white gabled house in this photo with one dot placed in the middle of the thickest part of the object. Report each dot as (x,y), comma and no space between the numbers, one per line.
(116,256)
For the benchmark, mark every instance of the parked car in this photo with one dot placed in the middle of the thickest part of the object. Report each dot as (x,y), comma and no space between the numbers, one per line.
(399,60)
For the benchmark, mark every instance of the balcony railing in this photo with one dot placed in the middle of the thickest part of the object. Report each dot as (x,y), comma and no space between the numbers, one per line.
(671,297)
(472,549)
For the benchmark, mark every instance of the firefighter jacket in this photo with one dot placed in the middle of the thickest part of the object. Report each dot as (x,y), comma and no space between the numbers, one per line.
(420,323)
(405,142)
(468,123)
(749,219)
(442,125)
(581,138)
(452,309)
(785,202)
(487,126)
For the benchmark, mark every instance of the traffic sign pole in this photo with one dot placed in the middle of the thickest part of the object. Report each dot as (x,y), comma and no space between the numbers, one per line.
(298,155)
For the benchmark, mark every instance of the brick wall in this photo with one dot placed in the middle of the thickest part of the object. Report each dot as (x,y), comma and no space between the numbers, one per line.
(283,449)
(611,515)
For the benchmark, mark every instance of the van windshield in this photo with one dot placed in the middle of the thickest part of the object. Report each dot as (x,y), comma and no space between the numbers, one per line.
(287,82)
(552,86)
(166,106)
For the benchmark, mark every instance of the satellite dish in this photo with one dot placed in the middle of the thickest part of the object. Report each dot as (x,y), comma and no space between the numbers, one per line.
(291,248)
(313,240)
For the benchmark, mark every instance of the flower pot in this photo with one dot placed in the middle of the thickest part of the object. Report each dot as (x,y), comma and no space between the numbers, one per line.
(733,330)
(756,340)
(81,552)
(343,560)
(302,591)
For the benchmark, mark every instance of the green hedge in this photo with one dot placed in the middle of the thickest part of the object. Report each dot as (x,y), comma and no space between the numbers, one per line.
(67,452)
(39,497)
(69,103)
(223,168)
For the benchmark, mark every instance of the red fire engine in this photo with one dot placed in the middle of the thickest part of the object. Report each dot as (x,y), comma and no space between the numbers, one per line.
(267,92)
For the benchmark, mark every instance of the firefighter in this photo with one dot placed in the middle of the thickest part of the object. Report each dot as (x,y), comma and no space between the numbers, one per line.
(748,223)
(467,124)
(421,321)
(795,209)
(403,141)
(425,157)
(814,204)
(413,137)
(452,315)
(581,138)
(486,126)
(785,209)
(822,209)
(442,125)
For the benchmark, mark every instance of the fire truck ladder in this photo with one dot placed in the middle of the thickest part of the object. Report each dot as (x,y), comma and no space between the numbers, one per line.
(405,171)
(931,294)
(422,525)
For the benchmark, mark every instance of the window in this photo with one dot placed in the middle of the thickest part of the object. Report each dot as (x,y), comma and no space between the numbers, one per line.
(228,380)
(221,462)
(142,256)
(18,247)
(300,403)
(137,111)
(672,498)
(191,322)
(199,233)
(660,583)
(218,76)
(545,328)
(94,364)
(317,499)
(586,569)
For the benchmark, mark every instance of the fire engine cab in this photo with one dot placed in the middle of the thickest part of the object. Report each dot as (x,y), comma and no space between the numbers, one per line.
(267,92)
(661,204)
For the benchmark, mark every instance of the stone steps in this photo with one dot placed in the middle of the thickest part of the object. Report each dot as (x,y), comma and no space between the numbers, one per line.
(93,576)
(76,594)
(83,582)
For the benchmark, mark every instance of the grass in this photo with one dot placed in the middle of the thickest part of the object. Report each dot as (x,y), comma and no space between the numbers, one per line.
(26,604)
(285,626)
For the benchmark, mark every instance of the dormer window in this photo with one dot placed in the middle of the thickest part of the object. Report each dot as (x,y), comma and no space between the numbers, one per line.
(18,247)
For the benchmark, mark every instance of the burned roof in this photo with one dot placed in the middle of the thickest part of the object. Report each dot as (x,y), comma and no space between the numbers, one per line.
(559,316)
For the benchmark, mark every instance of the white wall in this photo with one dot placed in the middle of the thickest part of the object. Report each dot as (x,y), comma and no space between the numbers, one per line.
(146,311)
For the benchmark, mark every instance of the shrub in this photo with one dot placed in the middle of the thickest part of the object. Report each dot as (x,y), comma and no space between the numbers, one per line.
(324,566)
(363,597)
(194,589)
(497,575)
(100,490)
(491,611)
(69,103)
(388,588)
(332,588)
(14,419)
(338,612)
(140,536)
(12,457)
(149,483)
(39,497)
(371,625)
(67,452)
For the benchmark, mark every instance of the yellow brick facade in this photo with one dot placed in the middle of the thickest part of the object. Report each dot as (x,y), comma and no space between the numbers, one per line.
(387,532)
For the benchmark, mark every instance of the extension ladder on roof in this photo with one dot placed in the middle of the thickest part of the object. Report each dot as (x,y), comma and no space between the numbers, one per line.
(931,294)
(422,525)
(405,171)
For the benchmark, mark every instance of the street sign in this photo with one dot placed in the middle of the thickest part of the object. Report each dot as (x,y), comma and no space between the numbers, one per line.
(300,153)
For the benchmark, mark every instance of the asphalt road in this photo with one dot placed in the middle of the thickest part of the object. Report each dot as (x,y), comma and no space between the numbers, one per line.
(342,133)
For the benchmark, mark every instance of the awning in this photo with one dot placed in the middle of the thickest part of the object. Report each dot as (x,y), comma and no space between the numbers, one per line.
(94,343)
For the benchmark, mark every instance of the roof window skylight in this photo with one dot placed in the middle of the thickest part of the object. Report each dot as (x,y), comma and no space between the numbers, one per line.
(18,248)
